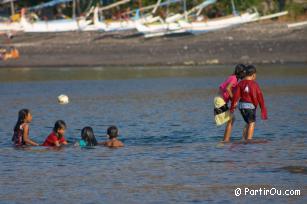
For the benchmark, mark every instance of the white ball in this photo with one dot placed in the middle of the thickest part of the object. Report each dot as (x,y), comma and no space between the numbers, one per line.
(63,99)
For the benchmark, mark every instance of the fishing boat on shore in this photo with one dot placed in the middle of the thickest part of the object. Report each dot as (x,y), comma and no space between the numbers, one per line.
(171,24)
(60,25)
(198,27)
(129,23)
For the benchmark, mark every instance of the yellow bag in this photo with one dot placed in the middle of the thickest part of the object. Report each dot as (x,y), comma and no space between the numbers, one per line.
(223,117)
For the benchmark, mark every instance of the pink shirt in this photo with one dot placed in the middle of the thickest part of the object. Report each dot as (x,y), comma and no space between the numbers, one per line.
(224,93)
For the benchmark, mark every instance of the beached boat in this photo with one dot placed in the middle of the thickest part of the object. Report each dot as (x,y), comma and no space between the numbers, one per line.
(205,26)
(171,24)
(62,25)
(220,23)
(128,24)
(10,26)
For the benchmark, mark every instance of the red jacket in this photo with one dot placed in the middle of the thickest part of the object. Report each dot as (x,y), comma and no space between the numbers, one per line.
(248,91)
(52,138)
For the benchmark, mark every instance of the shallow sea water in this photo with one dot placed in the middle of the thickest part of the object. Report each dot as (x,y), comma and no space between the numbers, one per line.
(165,118)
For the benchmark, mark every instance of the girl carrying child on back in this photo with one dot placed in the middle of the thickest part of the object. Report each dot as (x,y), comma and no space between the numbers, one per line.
(21,129)
(226,90)
(87,138)
(56,137)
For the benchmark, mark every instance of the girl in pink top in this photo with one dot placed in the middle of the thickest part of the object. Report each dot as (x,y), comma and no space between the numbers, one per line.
(227,89)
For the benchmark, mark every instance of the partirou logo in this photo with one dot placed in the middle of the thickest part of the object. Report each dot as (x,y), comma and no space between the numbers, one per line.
(266,192)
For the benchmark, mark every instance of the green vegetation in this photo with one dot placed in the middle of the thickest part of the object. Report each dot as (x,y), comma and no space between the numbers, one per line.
(294,7)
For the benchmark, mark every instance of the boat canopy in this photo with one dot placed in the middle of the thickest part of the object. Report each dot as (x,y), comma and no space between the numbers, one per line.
(48,4)
(158,4)
(201,6)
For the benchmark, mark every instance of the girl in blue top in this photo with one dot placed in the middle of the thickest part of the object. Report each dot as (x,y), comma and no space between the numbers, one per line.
(87,138)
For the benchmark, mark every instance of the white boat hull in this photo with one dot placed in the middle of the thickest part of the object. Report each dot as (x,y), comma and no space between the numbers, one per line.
(53,26)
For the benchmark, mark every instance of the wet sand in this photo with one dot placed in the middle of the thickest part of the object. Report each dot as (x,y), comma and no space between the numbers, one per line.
(266,42)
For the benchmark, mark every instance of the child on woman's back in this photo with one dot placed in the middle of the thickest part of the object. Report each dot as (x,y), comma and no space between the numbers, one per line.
(87,138)
(21,129)
(112,133)
(56,137)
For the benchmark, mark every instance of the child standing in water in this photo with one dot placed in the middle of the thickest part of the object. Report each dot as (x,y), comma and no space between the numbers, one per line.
(112,133)
(226,89)
(21,129)
(250,95)
(56,137)
(87,138)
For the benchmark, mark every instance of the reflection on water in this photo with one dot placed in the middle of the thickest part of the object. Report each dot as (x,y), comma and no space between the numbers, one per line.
(165,120)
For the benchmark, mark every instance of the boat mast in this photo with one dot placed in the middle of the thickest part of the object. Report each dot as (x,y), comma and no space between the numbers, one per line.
(74,9)
(185,10)
(12,8)
(156,7)
(234,11)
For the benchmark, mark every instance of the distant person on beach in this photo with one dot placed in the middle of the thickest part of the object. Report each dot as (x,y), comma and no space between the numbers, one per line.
(221,110)
(22,128)
(250,95)
(112,134)
(87,138)
(56,137)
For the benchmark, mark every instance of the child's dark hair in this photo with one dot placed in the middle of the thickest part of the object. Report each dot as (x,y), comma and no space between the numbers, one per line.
(240,71)
(60,124)
(87,134)
(250,70)
(22,114)
(112,132)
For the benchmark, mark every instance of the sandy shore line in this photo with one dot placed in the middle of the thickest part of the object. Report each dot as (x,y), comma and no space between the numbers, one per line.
(267,42)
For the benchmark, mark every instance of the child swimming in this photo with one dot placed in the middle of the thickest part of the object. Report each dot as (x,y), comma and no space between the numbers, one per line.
(221,111)
(22,128)
(250,95)
(112,133)
(56,137)
(87,138)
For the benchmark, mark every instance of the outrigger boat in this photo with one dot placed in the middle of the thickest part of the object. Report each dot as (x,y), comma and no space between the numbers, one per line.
(198,27)
(171,24)
(126,24)
(62,25)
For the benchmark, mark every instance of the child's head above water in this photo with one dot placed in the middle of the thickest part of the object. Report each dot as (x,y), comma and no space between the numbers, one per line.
(24,116)
(240,71)
(251,71)
(87,134)
(59,127)
(112,132)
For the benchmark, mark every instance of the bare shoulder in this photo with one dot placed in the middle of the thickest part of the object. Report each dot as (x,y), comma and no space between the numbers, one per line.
(25,126)
(119,143)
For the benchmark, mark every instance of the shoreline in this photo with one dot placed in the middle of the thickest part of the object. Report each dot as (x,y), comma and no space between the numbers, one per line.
(260,43)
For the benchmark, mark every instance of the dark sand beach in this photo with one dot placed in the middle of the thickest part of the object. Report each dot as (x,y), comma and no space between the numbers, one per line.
(265,42)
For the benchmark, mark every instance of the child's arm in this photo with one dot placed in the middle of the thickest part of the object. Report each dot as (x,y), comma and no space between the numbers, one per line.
(229,89)
(63,141)
(57,144)
(26,138)
(264,114)
(235,99)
